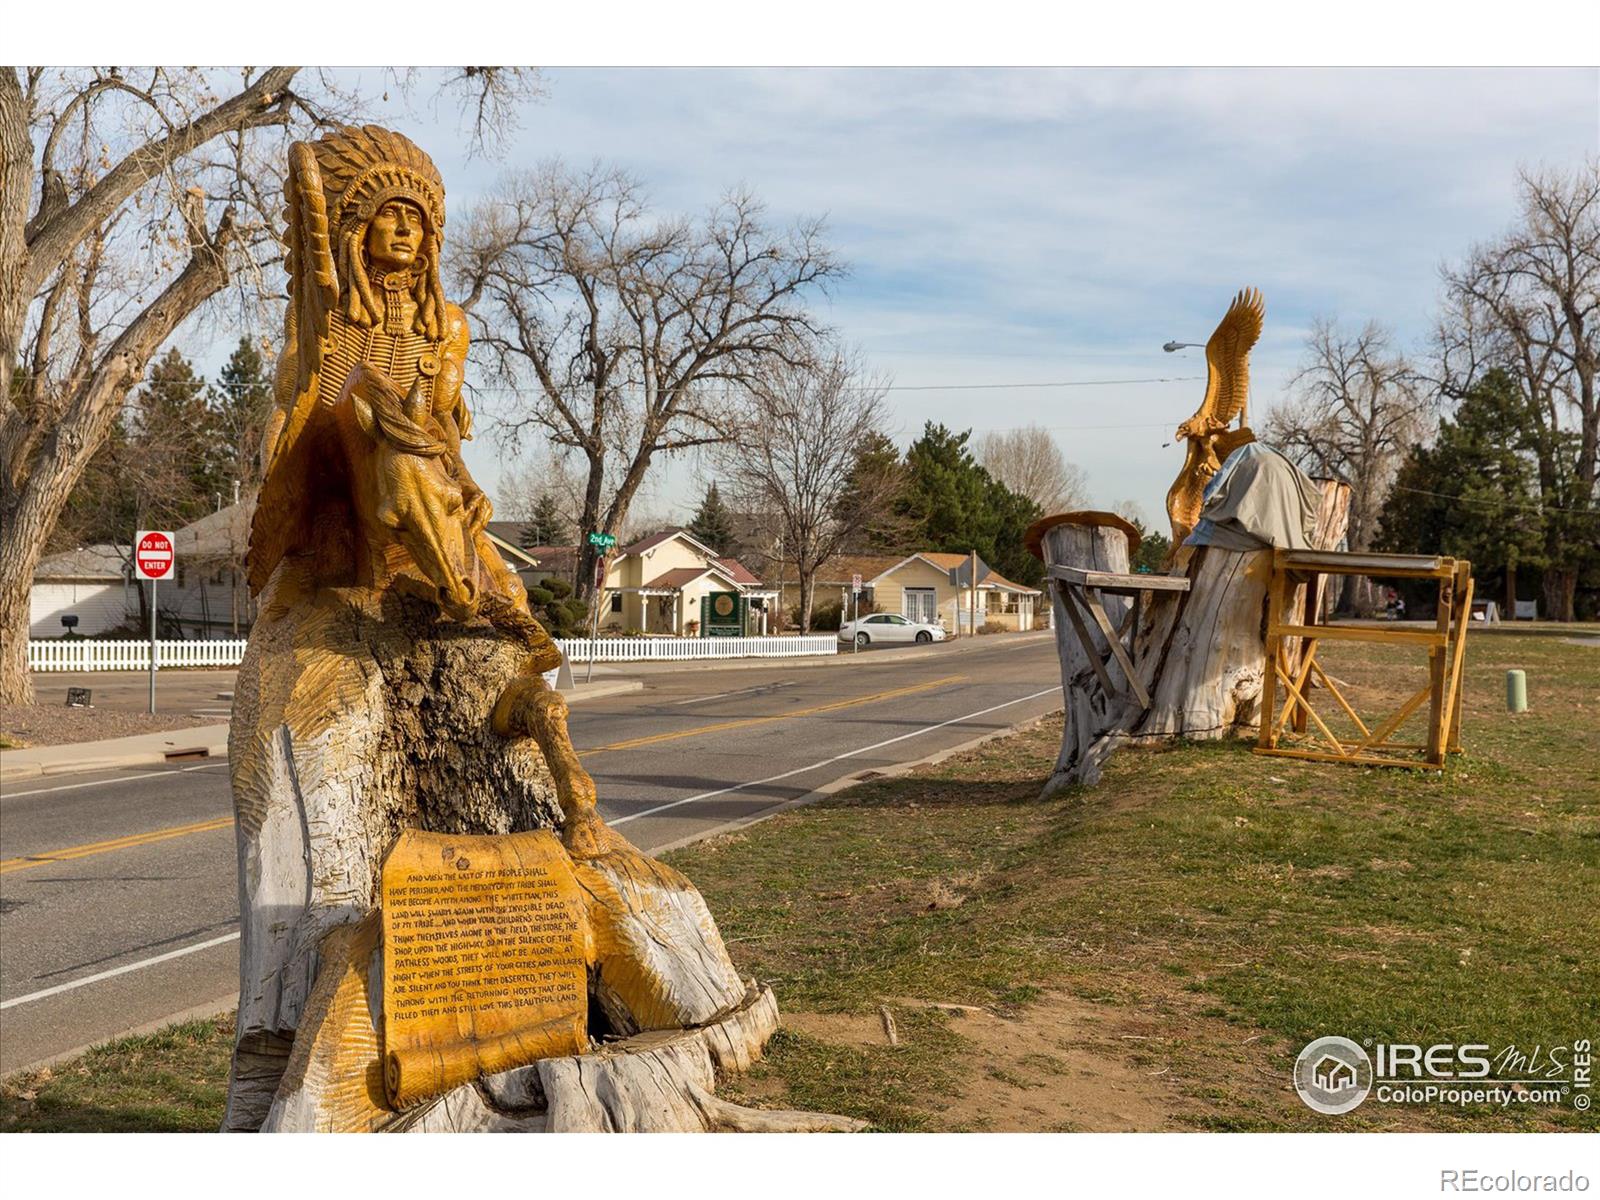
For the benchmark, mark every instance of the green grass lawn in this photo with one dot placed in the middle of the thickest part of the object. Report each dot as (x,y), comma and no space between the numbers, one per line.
(1179,931)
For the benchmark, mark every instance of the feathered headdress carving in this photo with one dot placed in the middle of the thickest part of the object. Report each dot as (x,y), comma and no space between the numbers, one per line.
(335,187)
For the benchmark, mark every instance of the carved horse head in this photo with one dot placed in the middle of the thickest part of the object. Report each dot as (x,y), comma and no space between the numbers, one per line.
(406,500)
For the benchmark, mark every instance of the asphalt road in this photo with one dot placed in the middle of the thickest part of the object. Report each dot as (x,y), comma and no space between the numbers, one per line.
(118,903)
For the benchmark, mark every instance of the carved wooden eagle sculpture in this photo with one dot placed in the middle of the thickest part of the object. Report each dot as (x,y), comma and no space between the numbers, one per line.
(1210,441)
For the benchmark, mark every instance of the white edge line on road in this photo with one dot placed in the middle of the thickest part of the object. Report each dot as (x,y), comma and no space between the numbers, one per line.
(737,787)
(123,970)
(231,937)
(67,787)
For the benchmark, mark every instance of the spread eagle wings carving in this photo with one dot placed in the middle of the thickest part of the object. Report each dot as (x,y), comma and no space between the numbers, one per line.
(1228,357)
(1208,439)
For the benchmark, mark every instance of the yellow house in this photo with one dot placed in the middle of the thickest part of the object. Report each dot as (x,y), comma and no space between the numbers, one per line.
(919,586)
(655,586)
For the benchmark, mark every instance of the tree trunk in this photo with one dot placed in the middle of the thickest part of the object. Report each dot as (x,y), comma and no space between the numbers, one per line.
(808,592)
(357,716)
(1200,654)
(1560,592)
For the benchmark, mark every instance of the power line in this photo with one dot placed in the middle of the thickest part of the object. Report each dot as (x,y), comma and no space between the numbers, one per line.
(1535,508)
(942,387)
(984,387)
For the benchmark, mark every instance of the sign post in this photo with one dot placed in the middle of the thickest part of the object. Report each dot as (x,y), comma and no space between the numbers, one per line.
(154,560)
(602,542)
(855,611)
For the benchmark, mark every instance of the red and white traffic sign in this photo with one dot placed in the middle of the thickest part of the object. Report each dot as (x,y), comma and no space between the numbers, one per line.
(152,554)
(855,583)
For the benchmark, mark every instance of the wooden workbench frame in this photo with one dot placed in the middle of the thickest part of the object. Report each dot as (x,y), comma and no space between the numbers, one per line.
(1445,644)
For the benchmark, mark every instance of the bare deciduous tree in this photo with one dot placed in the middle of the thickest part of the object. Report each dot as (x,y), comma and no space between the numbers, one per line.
(1357,406)
(128,199)
(1529,302)
(632,335)
(795,457)
(120,215)
(1029,462)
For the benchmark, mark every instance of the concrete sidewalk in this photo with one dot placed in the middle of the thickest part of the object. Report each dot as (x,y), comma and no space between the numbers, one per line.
(141,750)
(204,741)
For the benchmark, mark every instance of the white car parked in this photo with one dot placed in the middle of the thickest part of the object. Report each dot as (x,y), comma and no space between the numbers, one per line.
(889,629)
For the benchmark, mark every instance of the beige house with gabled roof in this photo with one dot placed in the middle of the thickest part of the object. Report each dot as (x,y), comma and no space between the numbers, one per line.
(655,586)
(919,586)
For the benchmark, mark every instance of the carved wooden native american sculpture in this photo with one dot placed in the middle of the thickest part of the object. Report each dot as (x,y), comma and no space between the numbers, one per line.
(392,693)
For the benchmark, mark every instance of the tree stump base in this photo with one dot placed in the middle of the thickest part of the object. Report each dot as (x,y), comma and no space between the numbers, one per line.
(358,717)
(1198,655)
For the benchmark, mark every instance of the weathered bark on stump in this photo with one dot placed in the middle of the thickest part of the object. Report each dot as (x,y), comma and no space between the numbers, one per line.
(1200,654)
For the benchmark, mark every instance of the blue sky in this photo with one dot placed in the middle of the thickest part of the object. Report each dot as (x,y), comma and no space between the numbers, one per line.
(1043,225)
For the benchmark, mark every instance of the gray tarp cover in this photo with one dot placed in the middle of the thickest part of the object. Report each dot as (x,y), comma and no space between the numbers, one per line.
(1258,499)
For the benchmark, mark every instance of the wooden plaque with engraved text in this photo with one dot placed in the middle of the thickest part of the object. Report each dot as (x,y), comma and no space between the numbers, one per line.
(484,959)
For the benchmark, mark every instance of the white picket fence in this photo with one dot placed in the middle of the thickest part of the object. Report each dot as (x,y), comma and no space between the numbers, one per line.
(88,655)
(643,649)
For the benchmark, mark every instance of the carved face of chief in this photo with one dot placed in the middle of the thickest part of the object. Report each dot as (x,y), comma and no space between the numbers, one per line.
(394,236)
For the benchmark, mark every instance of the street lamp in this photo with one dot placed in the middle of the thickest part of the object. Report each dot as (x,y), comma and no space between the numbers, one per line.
(1171,346)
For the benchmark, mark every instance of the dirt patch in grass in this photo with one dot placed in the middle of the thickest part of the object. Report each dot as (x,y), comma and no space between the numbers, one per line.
(838,1029)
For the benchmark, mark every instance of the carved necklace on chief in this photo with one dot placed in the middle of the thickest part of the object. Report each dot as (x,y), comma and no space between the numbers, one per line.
(392,344)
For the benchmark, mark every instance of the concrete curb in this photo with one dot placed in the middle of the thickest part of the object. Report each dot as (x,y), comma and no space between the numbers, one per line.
(202,741)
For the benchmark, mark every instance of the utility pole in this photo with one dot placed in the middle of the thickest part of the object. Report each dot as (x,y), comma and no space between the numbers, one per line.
(972,582)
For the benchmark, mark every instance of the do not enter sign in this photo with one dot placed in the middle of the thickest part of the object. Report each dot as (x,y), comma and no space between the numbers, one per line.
(152,554)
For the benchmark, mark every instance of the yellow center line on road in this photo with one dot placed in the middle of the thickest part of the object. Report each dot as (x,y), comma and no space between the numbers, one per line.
(747,722)
(122,843)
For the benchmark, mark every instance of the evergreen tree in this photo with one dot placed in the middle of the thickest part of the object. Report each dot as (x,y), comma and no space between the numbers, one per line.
(242,403)
(874,526)
(1473,494)
(953,505)
(553,605)
(713,523)
(545,525)
(179,442)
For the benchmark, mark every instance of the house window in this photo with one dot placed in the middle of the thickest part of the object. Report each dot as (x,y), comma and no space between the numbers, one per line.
(616,602)
(920,604)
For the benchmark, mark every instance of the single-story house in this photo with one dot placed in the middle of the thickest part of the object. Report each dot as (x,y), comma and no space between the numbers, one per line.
(920,586)
(655,586)
(90,583)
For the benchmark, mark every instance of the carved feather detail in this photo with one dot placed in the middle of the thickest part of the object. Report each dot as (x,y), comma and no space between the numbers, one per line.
(1228,357)
(313,280)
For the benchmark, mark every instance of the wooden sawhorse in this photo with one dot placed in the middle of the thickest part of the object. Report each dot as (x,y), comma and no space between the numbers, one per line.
(1445,642)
